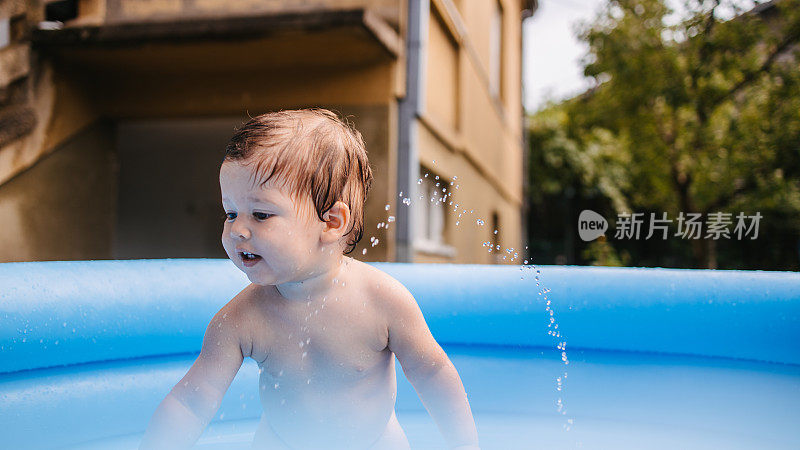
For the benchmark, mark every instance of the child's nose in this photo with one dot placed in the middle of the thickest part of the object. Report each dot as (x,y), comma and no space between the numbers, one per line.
(239,231)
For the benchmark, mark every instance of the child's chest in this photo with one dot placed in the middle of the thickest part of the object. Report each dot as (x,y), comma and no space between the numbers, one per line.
(338,339)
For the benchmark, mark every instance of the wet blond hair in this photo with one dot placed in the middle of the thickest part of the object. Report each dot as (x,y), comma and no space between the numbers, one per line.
(312,152)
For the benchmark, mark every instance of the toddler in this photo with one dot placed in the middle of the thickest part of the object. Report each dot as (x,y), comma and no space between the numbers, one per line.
(324,328)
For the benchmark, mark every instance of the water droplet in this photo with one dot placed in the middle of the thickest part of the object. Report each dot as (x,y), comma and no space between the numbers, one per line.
(479,222)
(387,207)
(390,219)
(364,252)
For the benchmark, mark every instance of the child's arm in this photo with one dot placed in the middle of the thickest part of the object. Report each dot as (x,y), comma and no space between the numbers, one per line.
(191,404)
(429,369)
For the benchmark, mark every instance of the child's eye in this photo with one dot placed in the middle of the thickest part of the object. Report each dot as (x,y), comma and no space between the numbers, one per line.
(260,215)
(230,216)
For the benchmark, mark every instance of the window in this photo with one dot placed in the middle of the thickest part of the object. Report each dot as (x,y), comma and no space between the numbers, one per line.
(497,250)
(430,216)
(5,32)
(496,51)
(442,90)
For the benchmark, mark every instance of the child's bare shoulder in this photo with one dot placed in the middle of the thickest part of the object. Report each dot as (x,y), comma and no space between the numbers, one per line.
(408,335)
(385,291)
(241,317)
(241,305)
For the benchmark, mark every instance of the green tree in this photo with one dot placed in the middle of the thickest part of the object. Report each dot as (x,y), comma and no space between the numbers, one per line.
(694,112)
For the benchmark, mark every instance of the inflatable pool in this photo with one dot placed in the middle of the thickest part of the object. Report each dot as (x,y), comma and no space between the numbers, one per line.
(658,358)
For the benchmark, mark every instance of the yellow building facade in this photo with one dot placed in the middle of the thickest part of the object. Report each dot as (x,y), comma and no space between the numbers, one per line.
(114,116)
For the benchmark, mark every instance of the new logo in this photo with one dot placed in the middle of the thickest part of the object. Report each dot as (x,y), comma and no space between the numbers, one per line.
(591,225)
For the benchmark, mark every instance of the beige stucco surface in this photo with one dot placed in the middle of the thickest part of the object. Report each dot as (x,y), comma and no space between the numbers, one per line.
(472,133)
(122,125)
(63,207)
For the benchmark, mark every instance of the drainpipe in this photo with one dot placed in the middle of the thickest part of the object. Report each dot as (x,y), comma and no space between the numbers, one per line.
(409,109)
(530,9)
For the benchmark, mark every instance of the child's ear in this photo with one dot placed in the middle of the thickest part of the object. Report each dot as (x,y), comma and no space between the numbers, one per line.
(336,220)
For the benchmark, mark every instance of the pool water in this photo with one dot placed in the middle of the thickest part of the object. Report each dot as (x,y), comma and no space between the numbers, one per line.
(614,399)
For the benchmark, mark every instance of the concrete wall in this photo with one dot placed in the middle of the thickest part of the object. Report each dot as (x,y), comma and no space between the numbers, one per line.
(120,143)
(176,99)
(472,131)
(149,188)
(110,11)
(169,200)
(63,207)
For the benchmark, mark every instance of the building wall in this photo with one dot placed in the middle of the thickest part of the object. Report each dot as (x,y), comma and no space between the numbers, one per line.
(472,131)
(115,11)
(169,203)
(75,113)
(63,207)
(95,156)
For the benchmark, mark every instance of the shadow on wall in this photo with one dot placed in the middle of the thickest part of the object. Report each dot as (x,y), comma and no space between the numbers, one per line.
(63,207)
(169,199)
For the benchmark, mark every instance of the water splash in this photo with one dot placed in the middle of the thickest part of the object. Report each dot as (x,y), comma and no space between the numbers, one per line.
(441,195)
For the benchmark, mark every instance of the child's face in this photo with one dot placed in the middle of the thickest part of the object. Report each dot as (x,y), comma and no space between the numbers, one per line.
(267,222)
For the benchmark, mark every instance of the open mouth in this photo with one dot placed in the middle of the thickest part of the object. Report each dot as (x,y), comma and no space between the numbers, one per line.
(249,259)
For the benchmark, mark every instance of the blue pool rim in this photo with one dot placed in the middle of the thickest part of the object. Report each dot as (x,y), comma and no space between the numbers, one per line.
(71,312)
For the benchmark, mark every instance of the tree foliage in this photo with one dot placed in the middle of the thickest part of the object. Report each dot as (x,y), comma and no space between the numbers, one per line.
(693,111)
